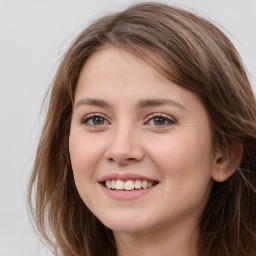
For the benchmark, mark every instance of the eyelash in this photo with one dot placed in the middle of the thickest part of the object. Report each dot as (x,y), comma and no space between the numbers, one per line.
(165,118)
(92,117)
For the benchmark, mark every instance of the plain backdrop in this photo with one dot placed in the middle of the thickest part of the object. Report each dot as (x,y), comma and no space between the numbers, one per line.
(33,37)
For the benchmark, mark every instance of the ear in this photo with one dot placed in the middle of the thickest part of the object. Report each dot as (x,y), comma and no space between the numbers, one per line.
(226,163)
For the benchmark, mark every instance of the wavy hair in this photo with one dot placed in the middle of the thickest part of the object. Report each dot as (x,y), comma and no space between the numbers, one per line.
(197,56)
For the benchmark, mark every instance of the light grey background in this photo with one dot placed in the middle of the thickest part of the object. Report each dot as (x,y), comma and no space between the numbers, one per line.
(33,36)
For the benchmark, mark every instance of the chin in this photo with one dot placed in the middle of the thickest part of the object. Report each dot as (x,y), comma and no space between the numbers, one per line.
(126,224)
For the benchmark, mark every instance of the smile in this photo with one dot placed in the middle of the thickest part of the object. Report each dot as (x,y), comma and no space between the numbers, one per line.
(128,185)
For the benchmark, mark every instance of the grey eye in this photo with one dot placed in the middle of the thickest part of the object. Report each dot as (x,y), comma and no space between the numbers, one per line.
(94,120)
(98,120)
(159,120)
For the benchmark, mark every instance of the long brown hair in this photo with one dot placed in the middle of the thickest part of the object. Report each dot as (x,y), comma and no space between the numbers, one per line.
(197,56)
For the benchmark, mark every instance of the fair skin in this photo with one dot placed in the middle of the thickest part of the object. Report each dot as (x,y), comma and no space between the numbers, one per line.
(131,123)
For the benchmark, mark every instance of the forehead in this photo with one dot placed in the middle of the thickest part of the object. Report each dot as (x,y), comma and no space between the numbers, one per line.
(121,59)
(131,54)
(118,76)
(115,66)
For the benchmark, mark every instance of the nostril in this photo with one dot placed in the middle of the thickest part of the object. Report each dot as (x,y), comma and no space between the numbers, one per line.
(123,160)
(130,159)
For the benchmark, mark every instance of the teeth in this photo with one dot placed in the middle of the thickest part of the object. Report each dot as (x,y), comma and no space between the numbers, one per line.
(150,184)
(144,184)
(108,184)
(113,184)
(137,184)
(119,184)
(128,185)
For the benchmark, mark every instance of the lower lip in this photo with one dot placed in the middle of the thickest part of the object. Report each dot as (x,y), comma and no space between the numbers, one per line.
(126,195)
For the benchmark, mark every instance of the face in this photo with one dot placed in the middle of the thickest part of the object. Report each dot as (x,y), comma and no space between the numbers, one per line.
(140,145)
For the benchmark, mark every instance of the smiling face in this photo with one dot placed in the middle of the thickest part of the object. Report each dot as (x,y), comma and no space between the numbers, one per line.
(132,128)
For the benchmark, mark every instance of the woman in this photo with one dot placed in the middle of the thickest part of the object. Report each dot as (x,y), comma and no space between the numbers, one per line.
(149,142)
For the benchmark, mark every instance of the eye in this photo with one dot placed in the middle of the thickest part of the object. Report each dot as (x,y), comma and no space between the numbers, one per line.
(160,120)
(94,120)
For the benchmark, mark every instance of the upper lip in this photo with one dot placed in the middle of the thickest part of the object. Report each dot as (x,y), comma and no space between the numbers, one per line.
(125,177)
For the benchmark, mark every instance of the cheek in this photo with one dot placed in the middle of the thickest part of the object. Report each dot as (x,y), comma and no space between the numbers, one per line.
(85,154)
(183,158)
(185,166)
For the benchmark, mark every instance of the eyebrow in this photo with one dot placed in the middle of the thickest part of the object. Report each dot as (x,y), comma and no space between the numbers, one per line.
(141,104)
(160,102)
(93,102)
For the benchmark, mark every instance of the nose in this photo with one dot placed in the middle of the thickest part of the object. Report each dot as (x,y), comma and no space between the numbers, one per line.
(125,146)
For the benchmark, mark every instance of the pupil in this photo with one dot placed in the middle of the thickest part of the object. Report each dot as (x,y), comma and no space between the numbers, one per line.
(98,120)
(159,121)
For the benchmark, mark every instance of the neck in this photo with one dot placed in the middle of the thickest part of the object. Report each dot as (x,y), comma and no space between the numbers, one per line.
(164,242)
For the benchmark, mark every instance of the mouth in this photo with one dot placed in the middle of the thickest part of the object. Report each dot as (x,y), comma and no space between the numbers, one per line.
(128,185)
